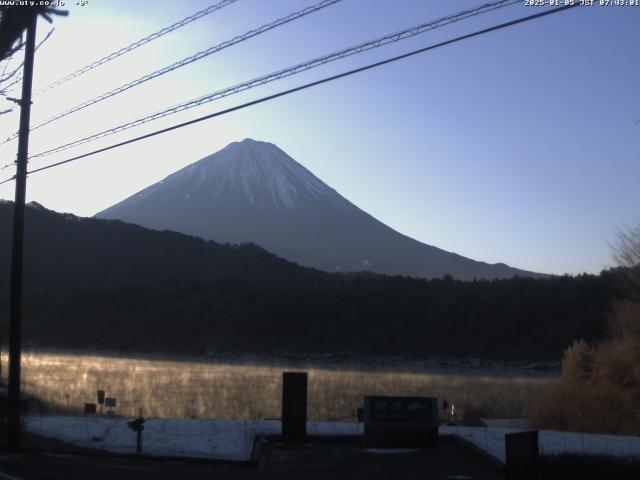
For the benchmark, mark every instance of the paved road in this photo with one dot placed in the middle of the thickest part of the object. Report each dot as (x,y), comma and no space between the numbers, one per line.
(328,460)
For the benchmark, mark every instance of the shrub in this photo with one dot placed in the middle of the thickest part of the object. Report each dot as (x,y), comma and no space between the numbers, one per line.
(599,390)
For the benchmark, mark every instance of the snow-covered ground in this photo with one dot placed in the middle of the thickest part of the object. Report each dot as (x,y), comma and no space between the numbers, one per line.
(551,442)
(233,439)
(219,439)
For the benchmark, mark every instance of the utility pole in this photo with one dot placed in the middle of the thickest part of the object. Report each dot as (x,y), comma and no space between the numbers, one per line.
(15,301)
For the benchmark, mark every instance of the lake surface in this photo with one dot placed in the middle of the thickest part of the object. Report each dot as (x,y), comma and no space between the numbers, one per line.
(249,388)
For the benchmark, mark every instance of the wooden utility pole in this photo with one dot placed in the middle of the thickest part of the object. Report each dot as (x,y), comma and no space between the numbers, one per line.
(15,300)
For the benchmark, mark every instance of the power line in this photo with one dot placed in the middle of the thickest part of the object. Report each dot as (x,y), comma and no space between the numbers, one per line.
(183,62)
(139,43)
(306,86)
(371,44)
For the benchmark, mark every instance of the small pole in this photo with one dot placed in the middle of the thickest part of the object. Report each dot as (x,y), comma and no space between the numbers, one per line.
(139,436)
(15,301)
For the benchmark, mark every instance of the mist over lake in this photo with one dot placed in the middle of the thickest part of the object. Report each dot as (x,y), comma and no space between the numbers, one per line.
(170,387)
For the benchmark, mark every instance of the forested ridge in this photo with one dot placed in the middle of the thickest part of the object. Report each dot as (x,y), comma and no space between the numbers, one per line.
(207,297)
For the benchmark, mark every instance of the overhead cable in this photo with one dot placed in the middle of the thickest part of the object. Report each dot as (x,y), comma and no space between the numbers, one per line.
(136,44)
(183,62)
(304,87)
(301,67)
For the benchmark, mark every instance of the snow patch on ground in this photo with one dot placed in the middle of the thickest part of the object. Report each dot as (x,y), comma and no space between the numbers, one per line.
(233,439)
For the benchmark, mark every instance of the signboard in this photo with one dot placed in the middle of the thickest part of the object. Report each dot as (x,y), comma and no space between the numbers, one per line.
(400,421)
(110,402)
(402,409)
(522,454)
(100,397)
(89,408)
(294,407)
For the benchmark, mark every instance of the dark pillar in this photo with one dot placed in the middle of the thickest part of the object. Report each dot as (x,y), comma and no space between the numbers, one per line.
(294,407)
(522,455)
(15,298)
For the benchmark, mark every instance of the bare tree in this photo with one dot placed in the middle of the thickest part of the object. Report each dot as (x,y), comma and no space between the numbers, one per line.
(626,253)
(600,386)
(13,22)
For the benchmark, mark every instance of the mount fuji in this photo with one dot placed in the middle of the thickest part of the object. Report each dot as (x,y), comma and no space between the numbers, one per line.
(252,191)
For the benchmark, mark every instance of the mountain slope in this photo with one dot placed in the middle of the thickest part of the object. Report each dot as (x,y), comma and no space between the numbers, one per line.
(254,192)
(63,251)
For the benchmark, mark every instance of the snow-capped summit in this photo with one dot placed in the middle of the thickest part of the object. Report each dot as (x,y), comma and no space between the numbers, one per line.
(252,191)
(249,172)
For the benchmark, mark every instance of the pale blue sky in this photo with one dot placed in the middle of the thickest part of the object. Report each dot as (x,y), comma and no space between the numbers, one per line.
(520,146)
